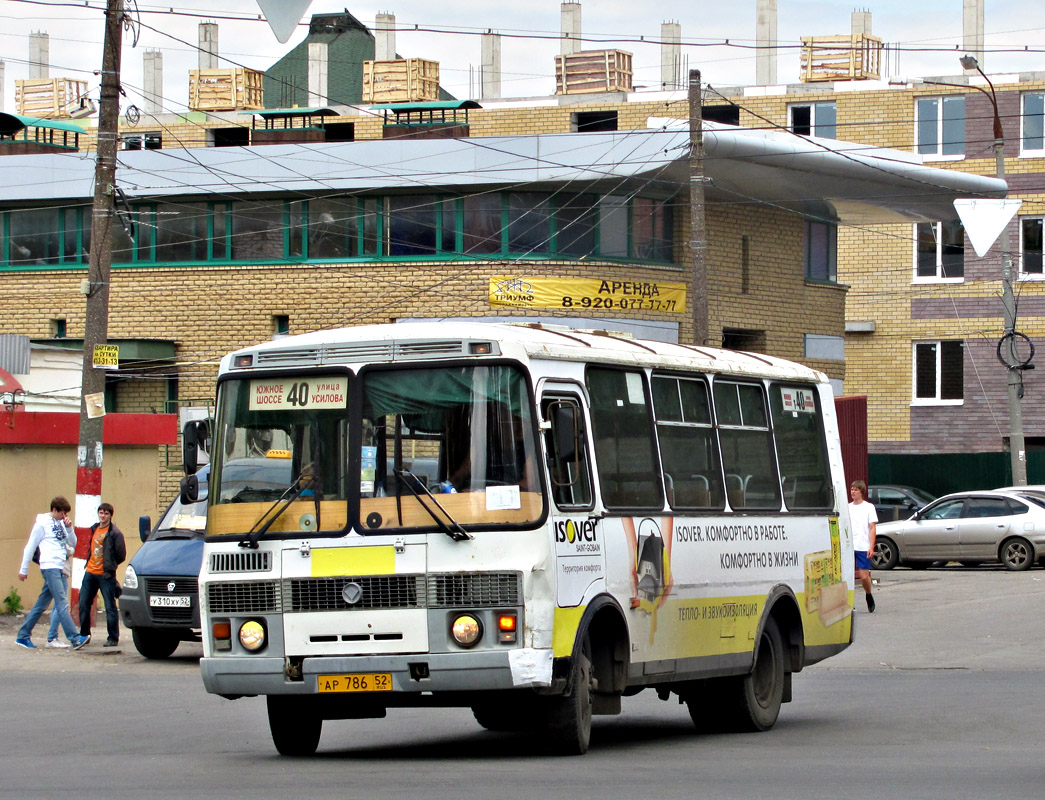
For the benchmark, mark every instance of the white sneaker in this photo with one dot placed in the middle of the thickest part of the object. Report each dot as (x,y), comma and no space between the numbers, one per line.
(56,644)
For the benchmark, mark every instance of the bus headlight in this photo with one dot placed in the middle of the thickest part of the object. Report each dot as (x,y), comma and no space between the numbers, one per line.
(466,630)
(130,578)
(252,635)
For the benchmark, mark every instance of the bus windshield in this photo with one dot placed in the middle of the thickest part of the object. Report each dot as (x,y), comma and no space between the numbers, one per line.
(439,449)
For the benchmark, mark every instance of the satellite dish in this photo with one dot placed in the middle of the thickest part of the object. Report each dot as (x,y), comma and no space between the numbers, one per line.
(283,16)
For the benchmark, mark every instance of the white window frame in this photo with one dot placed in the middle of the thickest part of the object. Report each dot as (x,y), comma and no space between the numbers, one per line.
(813,124)
(939,277)
(1029,276)
(938,155)
(937,400)
(1031,152)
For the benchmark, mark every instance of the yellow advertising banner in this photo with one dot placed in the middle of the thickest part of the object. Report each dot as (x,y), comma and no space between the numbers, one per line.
(587,293)
(106,356)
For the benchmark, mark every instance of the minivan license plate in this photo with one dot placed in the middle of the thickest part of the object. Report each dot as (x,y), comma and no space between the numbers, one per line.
(170,601)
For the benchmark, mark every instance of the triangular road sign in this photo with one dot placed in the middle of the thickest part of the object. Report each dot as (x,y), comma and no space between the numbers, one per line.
(984,220)
(283,15)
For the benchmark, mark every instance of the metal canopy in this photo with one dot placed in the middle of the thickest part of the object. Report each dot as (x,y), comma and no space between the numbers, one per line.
(823,178)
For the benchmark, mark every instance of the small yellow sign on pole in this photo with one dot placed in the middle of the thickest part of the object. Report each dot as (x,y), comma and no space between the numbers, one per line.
(106,356)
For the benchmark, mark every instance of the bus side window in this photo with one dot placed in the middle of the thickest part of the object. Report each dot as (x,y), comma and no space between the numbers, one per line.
(566,443)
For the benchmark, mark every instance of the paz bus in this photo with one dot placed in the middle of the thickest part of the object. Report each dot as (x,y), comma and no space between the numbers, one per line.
(529,521)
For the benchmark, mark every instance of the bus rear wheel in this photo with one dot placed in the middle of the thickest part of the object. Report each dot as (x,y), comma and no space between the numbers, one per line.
(569,721)
(294,724)
(747,703)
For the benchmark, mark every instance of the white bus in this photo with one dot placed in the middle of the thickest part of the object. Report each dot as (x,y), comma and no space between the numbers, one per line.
(529,521)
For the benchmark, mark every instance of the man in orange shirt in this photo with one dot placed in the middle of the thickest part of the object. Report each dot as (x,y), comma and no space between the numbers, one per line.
(108,550)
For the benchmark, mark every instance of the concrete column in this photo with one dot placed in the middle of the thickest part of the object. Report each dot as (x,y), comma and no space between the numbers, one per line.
(490,77)
(861,23)
(385,37)
(972,32)
(317,74)
(153,89)
(766,39)
(39,55)
(670,55)
(571,28)
(209,45)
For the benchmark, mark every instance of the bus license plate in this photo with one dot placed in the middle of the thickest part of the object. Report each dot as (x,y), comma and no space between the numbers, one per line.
(359,682)
(169,601)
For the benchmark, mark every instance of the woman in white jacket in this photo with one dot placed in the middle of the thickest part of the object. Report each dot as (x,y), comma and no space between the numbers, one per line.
(51,533)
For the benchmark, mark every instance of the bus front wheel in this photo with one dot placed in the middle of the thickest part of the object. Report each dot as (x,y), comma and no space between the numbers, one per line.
(294,725)
(570,717)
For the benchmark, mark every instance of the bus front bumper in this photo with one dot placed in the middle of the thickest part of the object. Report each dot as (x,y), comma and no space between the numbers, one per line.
(423,672)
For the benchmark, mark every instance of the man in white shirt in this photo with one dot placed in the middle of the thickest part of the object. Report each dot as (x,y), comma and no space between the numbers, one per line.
(864,519)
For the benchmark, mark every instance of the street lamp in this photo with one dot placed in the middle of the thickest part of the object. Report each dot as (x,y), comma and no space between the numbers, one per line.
(1007,346)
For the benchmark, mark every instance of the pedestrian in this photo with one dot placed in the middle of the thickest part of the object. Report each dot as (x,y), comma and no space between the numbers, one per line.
(67,571)
(108,550)
(864,519)
(50,533)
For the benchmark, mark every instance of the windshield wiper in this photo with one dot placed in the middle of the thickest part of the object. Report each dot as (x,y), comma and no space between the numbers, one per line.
(292,493)
(452,527)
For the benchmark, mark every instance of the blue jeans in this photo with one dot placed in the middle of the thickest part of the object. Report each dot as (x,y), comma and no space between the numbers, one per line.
(54,589)
(52,632)
(90,587)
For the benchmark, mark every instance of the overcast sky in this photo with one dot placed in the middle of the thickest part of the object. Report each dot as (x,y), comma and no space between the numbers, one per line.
(928,33)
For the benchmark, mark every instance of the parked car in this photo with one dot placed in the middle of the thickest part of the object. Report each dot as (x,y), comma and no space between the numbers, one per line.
(160,601)
(894,502)
(969,527)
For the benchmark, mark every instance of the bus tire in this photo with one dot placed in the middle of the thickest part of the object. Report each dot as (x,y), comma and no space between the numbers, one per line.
(747,702)
(294,724)
(762,691)
(569,723)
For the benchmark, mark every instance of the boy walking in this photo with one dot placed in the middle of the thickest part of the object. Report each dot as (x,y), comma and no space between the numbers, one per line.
(50,533)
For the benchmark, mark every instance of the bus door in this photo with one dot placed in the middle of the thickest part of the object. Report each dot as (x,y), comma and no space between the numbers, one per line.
(577,530)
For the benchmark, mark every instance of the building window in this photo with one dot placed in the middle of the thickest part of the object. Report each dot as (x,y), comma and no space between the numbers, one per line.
(145,140)
(230,137)
(821,251)
(727,115)
(1032,138)
(939,372)
(594,121)
(939,250)
(1031,247)
(281,325)
(940,125)
(58,328)
(740,339)
(340,131)
(814,119)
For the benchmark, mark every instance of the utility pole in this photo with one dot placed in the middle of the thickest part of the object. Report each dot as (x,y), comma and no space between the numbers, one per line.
(698,239)
(1017,446)
(96,321)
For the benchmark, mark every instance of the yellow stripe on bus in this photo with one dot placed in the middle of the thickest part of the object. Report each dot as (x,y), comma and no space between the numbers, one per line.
(330,561)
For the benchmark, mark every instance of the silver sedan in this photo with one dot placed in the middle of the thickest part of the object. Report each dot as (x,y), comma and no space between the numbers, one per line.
(969,527)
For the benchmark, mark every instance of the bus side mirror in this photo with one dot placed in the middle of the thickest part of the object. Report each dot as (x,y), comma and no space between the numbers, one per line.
(190,489)
(194,437)
(144,526)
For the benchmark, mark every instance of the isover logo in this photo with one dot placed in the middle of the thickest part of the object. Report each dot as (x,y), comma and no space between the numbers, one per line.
(573,532)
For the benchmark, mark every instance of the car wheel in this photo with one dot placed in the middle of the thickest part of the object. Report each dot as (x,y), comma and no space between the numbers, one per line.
(1016,554)
(295,725)
(154,644)
(885,554)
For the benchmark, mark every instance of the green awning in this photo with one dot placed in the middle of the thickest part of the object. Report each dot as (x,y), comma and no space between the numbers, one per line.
(11,124)
(435,105)
(293,112)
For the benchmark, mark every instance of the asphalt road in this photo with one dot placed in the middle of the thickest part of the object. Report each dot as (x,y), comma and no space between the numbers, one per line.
(937,699)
